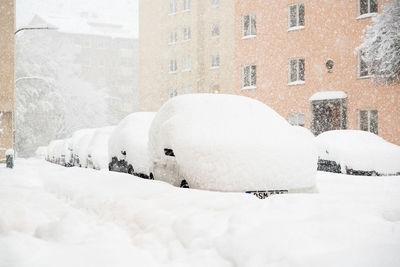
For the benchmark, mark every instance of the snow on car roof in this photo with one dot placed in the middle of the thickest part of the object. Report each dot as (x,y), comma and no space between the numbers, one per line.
(328,95)
(233,143)
(359,150)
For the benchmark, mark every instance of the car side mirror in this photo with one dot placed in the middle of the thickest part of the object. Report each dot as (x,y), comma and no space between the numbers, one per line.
(123,153)
(169,152)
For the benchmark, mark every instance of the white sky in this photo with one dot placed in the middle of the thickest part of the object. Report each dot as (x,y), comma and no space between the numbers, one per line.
(119,11)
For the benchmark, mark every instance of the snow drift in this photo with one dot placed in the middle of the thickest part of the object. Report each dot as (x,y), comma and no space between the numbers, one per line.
(231,143)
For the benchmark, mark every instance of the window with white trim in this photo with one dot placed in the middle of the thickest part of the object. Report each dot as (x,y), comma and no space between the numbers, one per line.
(215,89)
(215,61)
(173,7)
(186,63)
(362,66)
(296,15)
(368,120)
(173,37)
(296,119)
(187,90)
(296,70)
(249,28)
(215,30)
(367,7)
(249,76)
(186,5)
(172,92)
(214,3)
(172,66)
(186,33)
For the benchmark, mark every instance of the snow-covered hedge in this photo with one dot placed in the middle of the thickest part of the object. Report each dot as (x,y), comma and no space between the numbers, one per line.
(231,143)
(359,150)
(131,136)
(98,147)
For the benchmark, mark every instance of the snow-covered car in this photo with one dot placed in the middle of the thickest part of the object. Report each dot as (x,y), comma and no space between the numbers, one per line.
(77,142)
(98,148)
(230,143)
(128,145)
(55,152)
(41,152)
(357,152)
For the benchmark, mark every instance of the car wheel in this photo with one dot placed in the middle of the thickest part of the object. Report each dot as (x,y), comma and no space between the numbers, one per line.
(374,173)
(184,184)
(151,177)
(130,170)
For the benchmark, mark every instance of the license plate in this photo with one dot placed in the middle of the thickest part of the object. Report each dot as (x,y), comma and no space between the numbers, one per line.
(265,194)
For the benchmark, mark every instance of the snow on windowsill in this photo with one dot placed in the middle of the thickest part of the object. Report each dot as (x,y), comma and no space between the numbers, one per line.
(172,72)
(172,14)
(296,28)
(297,83)
(248,37)
(186,11)
(187,70)
(367,15)
(328,95)
(172,43)
(364,77)
(214,68)
(249,88)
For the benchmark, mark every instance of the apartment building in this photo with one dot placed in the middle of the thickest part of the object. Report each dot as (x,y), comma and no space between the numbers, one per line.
(299,57)
(98,52)
(7,25)
(185,46)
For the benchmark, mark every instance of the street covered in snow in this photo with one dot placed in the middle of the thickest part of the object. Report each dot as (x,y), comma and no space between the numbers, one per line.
(56,216)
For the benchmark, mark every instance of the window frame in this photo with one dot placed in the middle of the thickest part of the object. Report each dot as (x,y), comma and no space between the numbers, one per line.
(251,85)
(173,7)
(359,59)
(369,119)
(215,25)
(172,92)
(298,26)
(170,69)
(369,13)
(186,59)
(189,35)
(297,116)
(175,33)
(297,81)
(186,8)
(214,3)
(252,17)
(215,59)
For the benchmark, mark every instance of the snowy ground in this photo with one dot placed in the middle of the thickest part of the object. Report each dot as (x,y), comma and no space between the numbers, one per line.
(53,216)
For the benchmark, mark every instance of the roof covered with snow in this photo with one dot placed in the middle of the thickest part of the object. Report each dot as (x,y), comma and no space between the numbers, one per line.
(85,26)
(328,95)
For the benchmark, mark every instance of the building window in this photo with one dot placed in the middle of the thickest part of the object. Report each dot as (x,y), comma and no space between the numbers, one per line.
(368,120)
(215,61)
(296,15)
(362,66)
(249,76)
(172,92)
(249,25)
(296,119)
(367,6)
(215,89)
(173,66)
(186,5)
(215,30)
(186,33)
(187,90)
(296,70)
(173,37)
(186,63)
(214,3)
(173,7)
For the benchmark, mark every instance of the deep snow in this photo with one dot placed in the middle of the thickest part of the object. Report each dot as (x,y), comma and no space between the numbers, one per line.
(56,216)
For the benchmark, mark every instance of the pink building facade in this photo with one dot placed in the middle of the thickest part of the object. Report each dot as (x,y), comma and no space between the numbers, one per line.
(299,57)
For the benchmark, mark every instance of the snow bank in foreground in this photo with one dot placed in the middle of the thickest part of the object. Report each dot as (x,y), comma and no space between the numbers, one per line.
(98,147)
(131,136)
(231,143)
(359,150)
(54,216)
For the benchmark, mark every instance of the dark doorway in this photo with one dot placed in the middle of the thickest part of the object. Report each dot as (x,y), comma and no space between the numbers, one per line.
(328,115)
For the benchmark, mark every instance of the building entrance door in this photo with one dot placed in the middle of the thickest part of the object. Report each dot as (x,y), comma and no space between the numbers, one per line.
(328,115)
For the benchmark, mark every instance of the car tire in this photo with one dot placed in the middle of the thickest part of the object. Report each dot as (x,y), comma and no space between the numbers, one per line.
(131,170)
(184,184)
(151,177)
